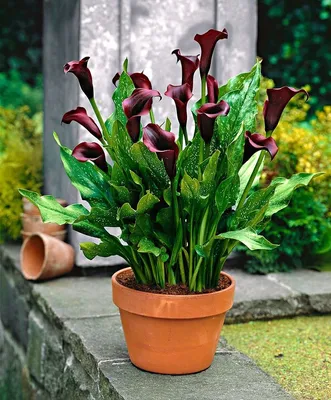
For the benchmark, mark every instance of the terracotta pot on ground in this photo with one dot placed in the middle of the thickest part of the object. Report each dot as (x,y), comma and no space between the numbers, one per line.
(171,334)
(45,257)
(61,235)
(34,223)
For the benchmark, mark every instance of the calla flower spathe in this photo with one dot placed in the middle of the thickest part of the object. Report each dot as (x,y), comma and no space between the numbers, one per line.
(212,89)
(255,142)
(207,42)
(180,95)
(163,144)
(278,99)
(189,65)
(83,74)
(140,80)
(207,115)
(80,116)
(138,104)
(92,151)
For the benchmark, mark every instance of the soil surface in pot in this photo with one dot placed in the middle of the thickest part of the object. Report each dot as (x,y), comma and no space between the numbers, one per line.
(127,279)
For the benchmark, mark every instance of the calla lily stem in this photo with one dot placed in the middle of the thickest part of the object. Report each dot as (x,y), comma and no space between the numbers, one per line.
(100,119)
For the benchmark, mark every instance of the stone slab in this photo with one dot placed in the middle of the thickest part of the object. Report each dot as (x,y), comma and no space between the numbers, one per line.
(78,297)
(96,339)
(316,285)
(232,376)
(259,297)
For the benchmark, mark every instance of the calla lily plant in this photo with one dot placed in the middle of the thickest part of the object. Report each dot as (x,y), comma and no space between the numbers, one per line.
(182,200)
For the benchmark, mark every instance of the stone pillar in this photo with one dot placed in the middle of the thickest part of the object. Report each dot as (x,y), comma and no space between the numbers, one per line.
(145,31)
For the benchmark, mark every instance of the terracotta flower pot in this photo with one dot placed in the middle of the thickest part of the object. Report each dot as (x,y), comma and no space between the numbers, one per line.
(31,209)
(171,334)
(34,224)
(61,235)
(45,257)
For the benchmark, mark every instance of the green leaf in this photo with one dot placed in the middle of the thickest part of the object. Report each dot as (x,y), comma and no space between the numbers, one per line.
(110,247)
(121,194)
(235,152)
(167,125)
(117,175)
(208,184)
(241,94)
(126,212)
(123,91)
(189,193)
(189,158)
(249,238)
(101,217)
(138,181)
(52,211)
(245,173)
(254,209)
(142,229)
(91,182)
(165,218)
(109,126)
(200,251)
(146,203)
(151,168)
(226,193)
(284,191)
(120,144)
(147,246)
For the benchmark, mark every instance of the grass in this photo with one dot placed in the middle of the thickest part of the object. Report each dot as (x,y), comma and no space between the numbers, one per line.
(296,352)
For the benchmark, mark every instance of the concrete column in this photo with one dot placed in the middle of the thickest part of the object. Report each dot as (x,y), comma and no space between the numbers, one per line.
(145,31)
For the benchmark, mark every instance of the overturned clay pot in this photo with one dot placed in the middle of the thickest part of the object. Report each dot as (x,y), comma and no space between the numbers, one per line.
(44,257)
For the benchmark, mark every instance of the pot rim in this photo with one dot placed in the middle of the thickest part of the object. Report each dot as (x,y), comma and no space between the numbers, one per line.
(46,251)
(184,296)
(170,306)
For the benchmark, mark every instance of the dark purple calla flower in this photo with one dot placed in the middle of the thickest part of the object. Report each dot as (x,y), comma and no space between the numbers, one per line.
(255,142)
(181,95)
(212,89)
(83,74)
(189,65)
(163,144)
(139,80)
(277,101)
(80,115)
(140,102)
(133,128)
(207,115)
(207,42)
(91,152)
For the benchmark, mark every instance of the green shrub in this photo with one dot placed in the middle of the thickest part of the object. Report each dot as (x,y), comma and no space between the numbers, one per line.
(16,93)
(20,165)
(294,40)
(299,229)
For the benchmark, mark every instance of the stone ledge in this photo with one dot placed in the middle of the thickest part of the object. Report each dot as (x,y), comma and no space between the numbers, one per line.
(73,346)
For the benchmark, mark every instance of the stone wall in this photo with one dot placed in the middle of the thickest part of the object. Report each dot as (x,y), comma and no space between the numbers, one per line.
(62,340)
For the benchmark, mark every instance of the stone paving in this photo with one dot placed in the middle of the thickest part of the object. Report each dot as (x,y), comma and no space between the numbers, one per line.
(69,337)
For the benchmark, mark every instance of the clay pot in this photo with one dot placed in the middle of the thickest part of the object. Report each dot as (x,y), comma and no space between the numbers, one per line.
(31,209)
(61,235)
(34,224)
(171,334)
(45,257)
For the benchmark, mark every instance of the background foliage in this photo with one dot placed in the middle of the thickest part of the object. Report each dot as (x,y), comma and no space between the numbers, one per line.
(294,38)
(20,165)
